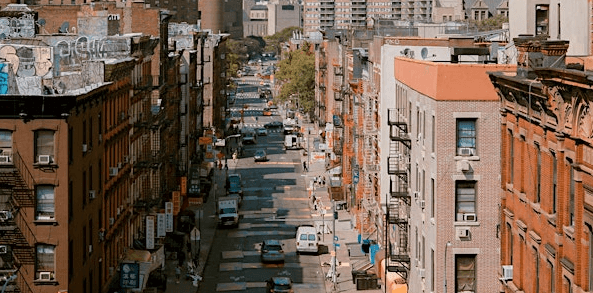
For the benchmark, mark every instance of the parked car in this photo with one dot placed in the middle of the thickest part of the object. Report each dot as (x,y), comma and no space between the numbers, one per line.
(279,285)
(271,251)
(260,156)
(273,124)
(307,239)
(262,131)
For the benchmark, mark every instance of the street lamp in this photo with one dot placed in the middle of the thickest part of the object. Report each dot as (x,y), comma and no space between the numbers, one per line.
(445,271)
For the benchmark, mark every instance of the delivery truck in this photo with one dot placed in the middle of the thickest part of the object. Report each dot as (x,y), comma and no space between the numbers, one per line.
(228,211)
(293,142)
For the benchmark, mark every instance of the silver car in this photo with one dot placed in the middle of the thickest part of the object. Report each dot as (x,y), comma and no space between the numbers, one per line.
(271,251)
(260,156)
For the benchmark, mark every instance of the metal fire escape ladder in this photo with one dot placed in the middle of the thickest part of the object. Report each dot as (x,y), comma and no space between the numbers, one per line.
(398,203)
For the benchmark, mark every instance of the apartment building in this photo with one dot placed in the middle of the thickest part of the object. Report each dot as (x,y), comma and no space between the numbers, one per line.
(441,150)
(267,18)
(222,17)
(72,214)
(546,214)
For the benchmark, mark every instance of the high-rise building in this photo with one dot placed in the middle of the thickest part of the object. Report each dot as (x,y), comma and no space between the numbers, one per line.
(222,17)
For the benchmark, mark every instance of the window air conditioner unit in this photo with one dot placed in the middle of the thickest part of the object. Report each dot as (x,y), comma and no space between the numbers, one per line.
(92,194)
(5,216)
(120,165)
(90,248)
(45,276)
(113,171)
(3,249)
(111,221)
(416,194)
(126,159)
(466,151)
(422,273)
(462,232)
(507,273)
(44,159)
(84,148)
(469,217)
(118,211)
(4,160)
(422,204)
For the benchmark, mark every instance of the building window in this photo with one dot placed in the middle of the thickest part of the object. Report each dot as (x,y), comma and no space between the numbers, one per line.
(510,244)
(432,272)
(45,266)
(432,197)
(511,157)
(590,258)
(465,273)
(567,285)
(466,137)
(84,245)
(45,208)
(84,190)
(541,19)
(44,145)
(536,264)
(465,200)
(6,144)
(90,133)
(433,134)
(554,183)
(538,173)
(552,277)
(572,194)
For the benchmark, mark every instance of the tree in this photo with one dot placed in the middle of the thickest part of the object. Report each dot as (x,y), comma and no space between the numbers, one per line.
(296,76)
(274,42)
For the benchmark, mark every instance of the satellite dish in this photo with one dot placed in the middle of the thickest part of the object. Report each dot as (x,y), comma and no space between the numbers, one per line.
(64,27)
(41,21)
(424,53)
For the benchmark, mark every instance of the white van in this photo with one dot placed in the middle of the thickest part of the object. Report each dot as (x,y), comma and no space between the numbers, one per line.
(307,239)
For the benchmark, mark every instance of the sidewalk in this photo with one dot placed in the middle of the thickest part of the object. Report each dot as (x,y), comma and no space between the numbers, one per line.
(207,225)
(348,250)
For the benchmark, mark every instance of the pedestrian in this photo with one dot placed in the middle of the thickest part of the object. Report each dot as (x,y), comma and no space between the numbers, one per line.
(177,274)
(305,166)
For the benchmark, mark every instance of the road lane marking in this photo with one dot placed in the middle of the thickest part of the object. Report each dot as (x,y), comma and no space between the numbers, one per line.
(236,234)
(232,254)
(236,286)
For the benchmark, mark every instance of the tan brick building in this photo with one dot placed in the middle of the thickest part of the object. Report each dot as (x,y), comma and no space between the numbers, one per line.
(440,142)
(546,179)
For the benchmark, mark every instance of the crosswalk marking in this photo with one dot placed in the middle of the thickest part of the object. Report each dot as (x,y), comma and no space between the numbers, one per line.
(236,234)
(239,266)
(241,286)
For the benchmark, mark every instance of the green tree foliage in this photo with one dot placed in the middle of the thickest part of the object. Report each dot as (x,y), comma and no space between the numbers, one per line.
(238,53)
(274,42)
(492,23)
(296,76)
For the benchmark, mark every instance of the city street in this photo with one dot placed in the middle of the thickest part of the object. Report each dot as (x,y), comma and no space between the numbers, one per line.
(275,202)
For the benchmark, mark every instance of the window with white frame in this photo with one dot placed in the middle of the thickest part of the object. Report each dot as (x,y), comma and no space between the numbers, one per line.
(466,137)
(465,201)
(6,143)
(45,263)
(45,206)
(44,145)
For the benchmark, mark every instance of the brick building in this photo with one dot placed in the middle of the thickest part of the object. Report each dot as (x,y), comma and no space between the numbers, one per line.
(546,180)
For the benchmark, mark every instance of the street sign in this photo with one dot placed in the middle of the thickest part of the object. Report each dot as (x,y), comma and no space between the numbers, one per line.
(336,238)
(337,245)
(355,176)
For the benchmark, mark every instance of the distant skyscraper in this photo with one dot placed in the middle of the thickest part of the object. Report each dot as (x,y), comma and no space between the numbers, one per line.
(222,16)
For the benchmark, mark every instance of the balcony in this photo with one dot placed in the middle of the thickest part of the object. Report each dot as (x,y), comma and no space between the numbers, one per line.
(398,165)
(337,120)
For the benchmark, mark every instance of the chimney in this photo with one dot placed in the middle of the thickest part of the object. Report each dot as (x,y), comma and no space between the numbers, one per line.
(529,55)
(554,53)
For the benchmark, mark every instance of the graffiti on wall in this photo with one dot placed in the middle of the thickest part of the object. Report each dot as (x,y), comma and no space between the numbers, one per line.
(27,60)
(4,71)
(18,27)
(72,51)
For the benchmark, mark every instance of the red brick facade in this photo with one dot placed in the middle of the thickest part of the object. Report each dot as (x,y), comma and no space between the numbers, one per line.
(547,176)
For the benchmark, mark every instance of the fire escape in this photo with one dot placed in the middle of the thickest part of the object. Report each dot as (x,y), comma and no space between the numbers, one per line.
(398,202)
(17,241)
(371,166)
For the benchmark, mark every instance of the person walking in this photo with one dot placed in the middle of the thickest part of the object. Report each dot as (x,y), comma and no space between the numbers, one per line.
(305,166)
(177,274)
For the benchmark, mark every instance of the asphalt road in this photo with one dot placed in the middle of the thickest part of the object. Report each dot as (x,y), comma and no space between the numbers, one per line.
(275,202)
